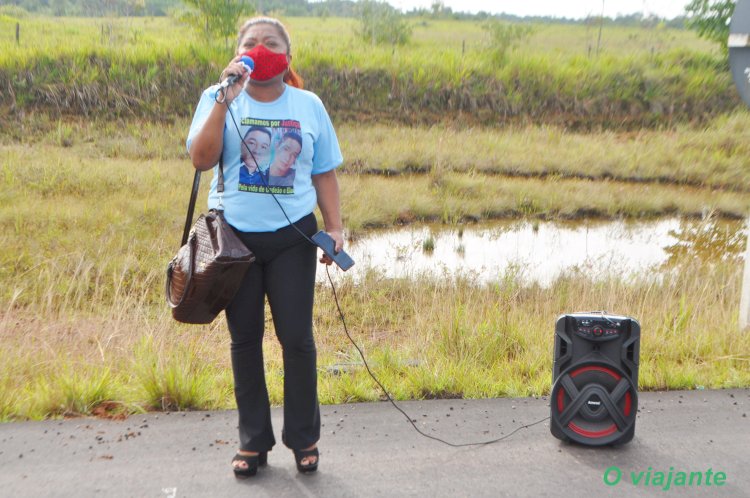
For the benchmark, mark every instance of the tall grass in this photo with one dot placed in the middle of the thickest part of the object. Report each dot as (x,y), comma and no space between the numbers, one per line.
(501,333)
(377,201)
(448,69)
(715,155)
(712,156)
(83,327)
(178,376)
(424,338)
(335,38)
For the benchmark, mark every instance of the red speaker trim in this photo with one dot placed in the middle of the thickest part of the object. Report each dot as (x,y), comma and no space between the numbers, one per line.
(595,369)
(583,432)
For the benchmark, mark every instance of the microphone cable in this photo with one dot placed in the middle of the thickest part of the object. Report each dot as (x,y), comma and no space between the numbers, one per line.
(343,320)
(388,396)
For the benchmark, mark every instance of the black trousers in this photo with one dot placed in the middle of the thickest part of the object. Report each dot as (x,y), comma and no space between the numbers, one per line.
(284,271)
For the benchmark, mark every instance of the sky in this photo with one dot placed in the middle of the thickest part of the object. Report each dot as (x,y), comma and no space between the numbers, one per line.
(557,8)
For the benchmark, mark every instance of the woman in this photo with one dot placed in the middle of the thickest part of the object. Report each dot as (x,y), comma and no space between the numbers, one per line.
(284,269)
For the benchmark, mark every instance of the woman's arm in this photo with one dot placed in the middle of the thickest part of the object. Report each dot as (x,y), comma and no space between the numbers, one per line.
(206,146)
(327,188)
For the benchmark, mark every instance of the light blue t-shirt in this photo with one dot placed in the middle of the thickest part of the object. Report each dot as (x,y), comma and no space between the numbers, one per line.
(290,139)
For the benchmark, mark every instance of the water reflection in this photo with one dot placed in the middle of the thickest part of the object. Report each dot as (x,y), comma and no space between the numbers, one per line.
(541,251)
(704,242)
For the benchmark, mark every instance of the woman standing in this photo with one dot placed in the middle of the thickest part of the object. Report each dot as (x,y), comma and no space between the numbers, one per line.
(284,270)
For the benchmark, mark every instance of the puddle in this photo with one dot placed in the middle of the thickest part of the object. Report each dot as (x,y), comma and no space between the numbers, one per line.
(541,251)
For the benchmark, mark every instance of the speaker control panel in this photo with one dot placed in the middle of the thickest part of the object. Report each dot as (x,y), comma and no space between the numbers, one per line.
(595,329)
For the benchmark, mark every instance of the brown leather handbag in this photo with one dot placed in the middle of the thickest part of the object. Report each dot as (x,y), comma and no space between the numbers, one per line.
(208,269)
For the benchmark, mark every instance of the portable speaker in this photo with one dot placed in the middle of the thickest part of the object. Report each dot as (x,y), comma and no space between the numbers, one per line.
(594,396)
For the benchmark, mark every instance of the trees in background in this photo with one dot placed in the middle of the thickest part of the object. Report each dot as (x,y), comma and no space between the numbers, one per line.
(379,23)
(321,8)
(710,18)
(86,8)
(504,37)
(216,18)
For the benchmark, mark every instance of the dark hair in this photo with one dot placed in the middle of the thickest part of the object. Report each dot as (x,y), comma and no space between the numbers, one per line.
(266,20)
(293,135)
(259,128)
(291,78)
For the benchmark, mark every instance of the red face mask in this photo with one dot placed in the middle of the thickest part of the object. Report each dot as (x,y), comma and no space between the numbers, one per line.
(267,63)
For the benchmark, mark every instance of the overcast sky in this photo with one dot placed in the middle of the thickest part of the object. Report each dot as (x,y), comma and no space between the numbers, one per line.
(557,8)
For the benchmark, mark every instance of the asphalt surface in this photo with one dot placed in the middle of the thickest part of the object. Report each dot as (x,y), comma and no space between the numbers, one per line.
(370,449)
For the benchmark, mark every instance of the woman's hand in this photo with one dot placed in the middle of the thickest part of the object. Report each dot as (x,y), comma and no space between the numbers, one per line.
(234,68)
(327,189)
(338,239)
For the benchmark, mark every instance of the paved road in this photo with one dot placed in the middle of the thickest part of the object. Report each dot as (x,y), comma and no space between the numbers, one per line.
(370,450)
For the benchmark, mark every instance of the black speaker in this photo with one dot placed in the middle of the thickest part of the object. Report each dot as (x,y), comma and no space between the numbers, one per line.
(594,396)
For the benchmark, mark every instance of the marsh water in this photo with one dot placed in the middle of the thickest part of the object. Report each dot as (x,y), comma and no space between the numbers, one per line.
(540,251)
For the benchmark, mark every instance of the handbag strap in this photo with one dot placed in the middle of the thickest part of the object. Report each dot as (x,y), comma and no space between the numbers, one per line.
(194,197)
(220,180)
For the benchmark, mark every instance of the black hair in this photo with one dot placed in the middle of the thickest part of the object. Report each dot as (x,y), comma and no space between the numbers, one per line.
(294,136)
(259,128)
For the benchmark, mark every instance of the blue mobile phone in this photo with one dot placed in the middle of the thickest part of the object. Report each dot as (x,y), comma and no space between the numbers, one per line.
(325,242)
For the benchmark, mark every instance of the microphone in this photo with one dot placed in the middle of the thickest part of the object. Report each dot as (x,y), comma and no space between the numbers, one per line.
(230,80)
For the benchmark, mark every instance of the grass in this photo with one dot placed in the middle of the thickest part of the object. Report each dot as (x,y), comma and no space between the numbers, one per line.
(118,67)
(334,37)
(87,232)
(177,377)
(423,338)
(375,202)
(143,174)
(125,185)
(710,156)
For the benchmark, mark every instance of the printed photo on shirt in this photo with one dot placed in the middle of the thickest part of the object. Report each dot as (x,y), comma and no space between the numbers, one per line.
(269,156)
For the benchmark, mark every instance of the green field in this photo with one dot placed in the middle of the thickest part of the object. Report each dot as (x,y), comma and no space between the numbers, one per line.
(335,35)
(132,68)
(94,180)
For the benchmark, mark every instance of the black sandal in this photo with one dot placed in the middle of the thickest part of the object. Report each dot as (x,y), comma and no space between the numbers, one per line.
(300,455)
(252,461)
